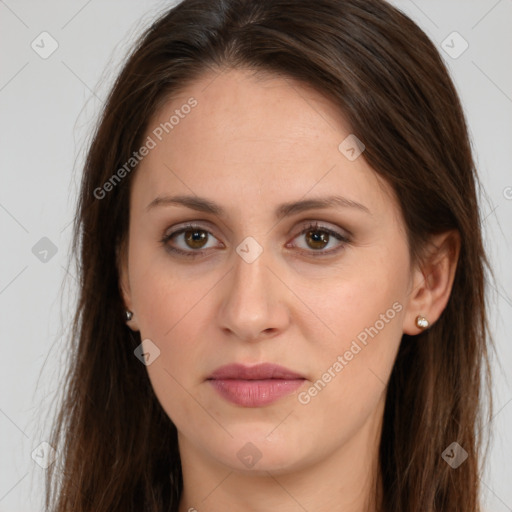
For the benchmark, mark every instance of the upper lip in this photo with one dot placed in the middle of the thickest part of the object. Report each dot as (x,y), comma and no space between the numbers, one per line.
(257,372)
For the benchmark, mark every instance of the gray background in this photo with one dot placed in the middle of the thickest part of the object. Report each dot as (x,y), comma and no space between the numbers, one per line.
(47,110)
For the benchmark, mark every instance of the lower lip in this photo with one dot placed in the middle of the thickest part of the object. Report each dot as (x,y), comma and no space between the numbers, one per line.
(255,393)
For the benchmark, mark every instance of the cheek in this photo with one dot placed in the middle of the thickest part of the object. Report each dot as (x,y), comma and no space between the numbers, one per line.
(364,300)
(172,314)
(173,310)
(363,309)
(164,294)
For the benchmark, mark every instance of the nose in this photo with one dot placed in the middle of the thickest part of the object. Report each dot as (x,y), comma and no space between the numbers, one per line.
(254,303)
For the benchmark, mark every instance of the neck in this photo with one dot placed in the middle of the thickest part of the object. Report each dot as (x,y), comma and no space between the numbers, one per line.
(347,480)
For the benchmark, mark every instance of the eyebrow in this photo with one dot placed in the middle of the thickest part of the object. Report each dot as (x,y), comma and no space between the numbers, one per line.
(202,204)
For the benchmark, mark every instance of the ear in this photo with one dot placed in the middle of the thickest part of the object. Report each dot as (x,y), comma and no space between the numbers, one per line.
(124,282)
(432,280)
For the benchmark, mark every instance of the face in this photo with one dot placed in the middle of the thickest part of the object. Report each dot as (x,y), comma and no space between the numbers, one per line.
(256,267)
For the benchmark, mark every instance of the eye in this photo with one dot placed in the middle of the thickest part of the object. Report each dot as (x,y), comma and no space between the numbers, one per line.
(319,237)
(190,240)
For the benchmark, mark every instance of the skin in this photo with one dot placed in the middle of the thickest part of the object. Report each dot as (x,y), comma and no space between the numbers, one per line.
(252,143)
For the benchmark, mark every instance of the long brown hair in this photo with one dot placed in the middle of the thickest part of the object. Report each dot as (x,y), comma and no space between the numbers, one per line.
(117,448)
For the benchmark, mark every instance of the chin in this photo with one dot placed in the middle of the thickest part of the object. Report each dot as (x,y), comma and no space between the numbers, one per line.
(254,451)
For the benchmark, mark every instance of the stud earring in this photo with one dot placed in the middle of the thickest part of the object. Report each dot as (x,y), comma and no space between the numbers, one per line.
(128,315)
(422,322)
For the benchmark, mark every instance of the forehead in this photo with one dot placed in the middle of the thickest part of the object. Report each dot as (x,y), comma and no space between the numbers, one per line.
(262,137)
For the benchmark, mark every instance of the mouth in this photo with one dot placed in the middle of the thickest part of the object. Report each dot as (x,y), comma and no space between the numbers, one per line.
(254,386)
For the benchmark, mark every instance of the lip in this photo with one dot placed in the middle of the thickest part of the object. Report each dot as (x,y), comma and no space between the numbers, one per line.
(254,386)
(260,371)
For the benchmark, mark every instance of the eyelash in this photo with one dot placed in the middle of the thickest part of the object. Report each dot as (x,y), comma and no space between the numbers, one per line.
(310,227)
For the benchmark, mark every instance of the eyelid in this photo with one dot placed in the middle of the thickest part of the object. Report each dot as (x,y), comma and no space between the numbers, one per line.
(204,224)
(314,225)
(180,229)
(324,225)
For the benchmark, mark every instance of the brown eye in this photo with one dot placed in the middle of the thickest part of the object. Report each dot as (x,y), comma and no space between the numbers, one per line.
(190,240)
(195,238)
(317,239)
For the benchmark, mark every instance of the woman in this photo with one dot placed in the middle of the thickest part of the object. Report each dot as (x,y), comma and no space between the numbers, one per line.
(282,273)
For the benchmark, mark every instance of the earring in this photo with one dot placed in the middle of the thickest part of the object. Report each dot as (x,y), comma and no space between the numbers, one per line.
(422,322)
(128,315)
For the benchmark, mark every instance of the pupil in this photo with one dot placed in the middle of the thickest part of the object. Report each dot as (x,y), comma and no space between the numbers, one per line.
(320,237)
(196,238)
